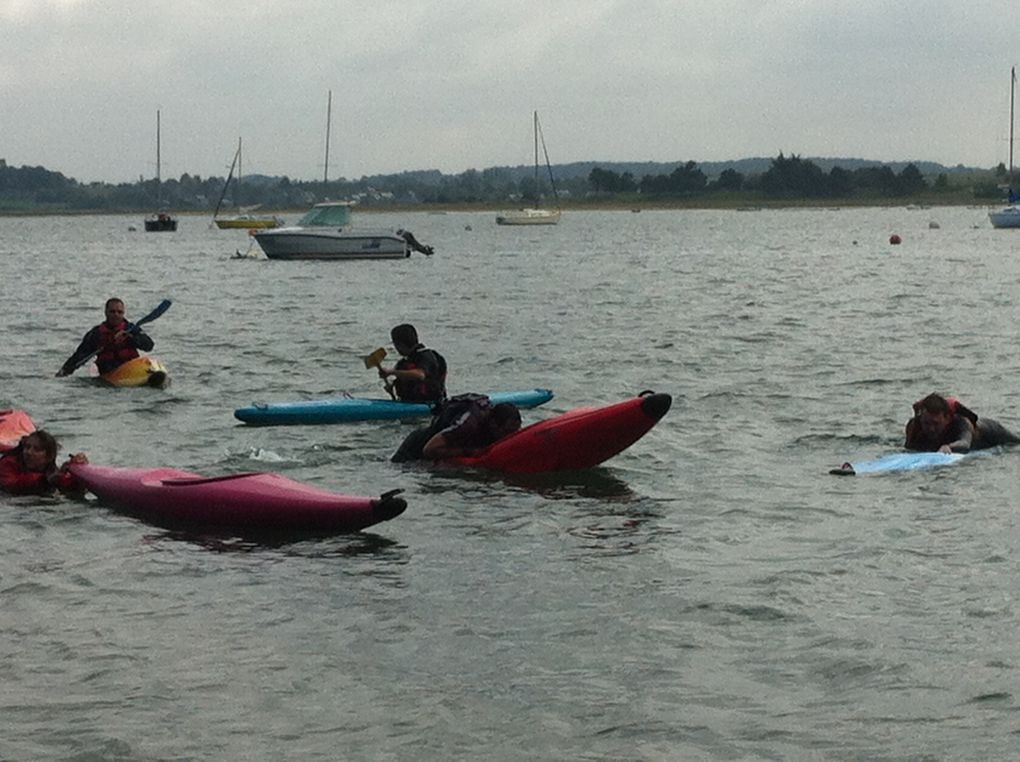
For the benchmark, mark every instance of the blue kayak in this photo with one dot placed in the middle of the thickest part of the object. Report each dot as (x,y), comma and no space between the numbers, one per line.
(905,461)
(352,409)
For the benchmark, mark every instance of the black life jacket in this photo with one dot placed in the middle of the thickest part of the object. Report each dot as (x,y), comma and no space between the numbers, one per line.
(431,388)
(449,411)
(445,413)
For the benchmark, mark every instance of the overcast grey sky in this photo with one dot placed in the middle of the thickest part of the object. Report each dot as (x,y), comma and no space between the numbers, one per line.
(451,84)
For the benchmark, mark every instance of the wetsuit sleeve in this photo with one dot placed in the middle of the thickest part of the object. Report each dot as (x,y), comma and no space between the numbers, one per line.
(961,435)
(88,345)
(459,438)
(991,433)
(140,340)
(18,482)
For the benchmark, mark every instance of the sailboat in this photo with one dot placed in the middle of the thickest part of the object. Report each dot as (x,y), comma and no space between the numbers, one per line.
(161,222)
(535,215)
(244,217)
(1009,217)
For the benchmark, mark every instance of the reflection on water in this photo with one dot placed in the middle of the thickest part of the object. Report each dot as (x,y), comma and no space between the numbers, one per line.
(593,483)
(301,544)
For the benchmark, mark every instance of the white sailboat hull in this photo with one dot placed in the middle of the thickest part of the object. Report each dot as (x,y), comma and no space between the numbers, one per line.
(529,217)
(1005,218)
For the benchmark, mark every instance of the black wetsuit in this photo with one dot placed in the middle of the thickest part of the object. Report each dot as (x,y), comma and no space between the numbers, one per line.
(961,435)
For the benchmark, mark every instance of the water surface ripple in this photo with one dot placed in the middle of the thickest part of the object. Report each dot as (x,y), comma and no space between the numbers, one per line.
(711,593)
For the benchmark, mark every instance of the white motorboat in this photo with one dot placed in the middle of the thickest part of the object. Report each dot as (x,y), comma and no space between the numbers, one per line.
(325,233)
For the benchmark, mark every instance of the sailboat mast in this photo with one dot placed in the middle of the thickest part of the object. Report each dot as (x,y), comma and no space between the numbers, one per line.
(329,115)
(238,171)
(157,149)
(548,166)
(537,194)
(1012,97)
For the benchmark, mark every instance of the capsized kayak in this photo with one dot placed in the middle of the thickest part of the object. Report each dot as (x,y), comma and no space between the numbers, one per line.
(906,461)
(141,371)
(254,501)
(580,438)
(14,424)
(351,409)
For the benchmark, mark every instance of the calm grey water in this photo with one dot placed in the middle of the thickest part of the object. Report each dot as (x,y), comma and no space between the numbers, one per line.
(711,593)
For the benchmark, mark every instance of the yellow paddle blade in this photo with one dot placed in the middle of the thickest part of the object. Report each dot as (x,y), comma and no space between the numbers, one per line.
(375,359)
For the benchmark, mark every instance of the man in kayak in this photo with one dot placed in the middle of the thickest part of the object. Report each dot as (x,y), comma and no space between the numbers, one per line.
(114,342)
(462,426)
(420,373)
(943,424)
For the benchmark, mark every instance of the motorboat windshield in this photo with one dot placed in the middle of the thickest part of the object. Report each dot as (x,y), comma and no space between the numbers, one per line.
(330,215)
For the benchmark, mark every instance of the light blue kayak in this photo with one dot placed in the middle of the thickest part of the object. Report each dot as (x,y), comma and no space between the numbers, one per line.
(353,409)
(905,461)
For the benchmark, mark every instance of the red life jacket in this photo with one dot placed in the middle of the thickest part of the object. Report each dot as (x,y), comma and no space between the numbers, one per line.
(110,354)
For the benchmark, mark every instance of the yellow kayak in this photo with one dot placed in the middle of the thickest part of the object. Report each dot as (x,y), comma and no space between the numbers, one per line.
(141,371)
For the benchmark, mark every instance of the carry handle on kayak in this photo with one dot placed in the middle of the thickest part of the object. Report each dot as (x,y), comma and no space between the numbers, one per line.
(162,307)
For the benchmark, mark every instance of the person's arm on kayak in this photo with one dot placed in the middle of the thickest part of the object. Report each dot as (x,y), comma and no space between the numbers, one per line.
(89,345)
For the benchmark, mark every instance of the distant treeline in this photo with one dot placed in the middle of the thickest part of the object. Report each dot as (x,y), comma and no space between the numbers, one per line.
(38,189)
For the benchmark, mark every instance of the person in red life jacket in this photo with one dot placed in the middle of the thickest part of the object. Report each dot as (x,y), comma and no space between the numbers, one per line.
(31,467)
(944,424)
(420,373)
(115,340)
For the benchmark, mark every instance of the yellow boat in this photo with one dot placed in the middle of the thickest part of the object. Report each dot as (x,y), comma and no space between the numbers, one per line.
(141,371)
(249,221)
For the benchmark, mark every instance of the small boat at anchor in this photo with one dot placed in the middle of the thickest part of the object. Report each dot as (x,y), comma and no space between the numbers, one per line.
(325,233)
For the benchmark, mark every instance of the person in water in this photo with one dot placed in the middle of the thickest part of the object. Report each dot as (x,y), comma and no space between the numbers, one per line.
(31,467)
(115,341)
(462,426)
(420,373)
(942,424)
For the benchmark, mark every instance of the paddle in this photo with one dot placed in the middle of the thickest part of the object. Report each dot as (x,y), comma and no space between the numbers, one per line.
(162,307)
(374,360)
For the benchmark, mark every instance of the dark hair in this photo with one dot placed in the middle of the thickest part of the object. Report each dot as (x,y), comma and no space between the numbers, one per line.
(405,335)
(112,300)
(934,404)
(506,415)
(42,437)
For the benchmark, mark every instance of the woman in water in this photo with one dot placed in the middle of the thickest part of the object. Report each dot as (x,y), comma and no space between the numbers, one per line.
(31,467)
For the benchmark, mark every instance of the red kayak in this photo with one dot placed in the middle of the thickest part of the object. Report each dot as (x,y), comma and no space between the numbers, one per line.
(14,424)
(580,438)
(255,501)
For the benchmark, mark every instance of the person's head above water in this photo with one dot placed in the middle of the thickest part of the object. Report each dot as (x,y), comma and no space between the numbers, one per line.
(38,450)
(405,338)
(114,310)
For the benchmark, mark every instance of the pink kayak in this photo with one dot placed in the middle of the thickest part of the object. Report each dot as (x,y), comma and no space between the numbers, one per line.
(255,501)
(579,438)
(14,424)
